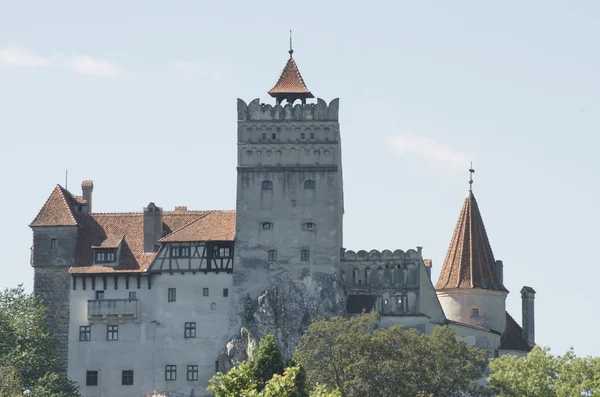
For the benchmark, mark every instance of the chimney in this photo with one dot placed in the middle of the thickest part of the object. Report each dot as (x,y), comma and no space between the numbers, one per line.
(499,270)
(527,297)
(152,227)
(428,265)
(87,187)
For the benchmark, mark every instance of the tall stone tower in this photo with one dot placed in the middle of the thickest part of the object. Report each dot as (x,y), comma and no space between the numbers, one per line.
(289,187)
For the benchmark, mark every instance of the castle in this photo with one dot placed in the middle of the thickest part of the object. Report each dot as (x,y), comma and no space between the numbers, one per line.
(154,301)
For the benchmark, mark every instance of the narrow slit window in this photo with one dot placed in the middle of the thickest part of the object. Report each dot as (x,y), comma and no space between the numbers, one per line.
(53,243)
(172,295)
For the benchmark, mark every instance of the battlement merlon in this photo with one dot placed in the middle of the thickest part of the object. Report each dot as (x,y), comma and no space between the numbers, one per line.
(256,111)
(362,255)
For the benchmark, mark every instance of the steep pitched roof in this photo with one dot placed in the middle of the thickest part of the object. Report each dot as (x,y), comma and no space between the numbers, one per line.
(214,226)
(512,337)
(290,83)
(58,210)
(470,261)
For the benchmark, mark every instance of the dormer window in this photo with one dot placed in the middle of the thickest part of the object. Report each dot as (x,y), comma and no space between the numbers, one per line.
(309,226)
(106,257)
(180,251)
(267,185)
(309,184)
(266,226)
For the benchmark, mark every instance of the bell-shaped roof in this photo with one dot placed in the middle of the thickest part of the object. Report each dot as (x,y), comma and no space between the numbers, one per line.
(470,261)
(290,85)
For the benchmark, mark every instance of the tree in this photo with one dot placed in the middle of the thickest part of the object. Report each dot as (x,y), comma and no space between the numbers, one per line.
(237,381)
(267,361)
(27,359)
(360,359)
(545,375)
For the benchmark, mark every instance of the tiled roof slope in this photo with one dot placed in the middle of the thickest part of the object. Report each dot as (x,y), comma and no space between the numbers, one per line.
(58,210)
(290,81)
(512,338)
(214,226)
(470,261)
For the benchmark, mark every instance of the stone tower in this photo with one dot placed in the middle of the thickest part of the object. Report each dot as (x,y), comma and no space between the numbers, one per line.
(470,287)
(289,187)
(55,230)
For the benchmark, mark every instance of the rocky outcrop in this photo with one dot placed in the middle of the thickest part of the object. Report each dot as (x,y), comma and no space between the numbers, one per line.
(285,310)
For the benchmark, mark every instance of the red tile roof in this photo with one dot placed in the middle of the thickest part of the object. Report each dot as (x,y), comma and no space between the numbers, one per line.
(512,337)
(214,226)
(57,211)
(98,230)
(290,82)
(470,261)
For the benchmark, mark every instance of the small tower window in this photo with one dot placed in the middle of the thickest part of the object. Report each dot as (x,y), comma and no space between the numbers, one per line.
(474,312)
(302,136)
(272,255)
(309,226)
(264,136)
(266,226)
(309,184)
(267,185)
(312,135)
(273,136)
(52,243)
(304,255)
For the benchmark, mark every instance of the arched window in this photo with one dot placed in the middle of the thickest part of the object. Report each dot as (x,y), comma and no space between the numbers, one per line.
(267,185)
(355,276)
(309,184)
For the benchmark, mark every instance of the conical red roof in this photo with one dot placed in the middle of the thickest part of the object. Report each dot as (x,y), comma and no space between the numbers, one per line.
(290,84)
(470,261)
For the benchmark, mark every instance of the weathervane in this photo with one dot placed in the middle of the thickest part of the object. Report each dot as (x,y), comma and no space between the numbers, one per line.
(471,172)
(291,51)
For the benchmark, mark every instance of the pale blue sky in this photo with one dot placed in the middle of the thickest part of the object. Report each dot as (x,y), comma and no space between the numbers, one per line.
(140,96)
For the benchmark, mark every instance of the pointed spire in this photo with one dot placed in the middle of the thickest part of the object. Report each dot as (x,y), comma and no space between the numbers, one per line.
(470,261)
(290,85)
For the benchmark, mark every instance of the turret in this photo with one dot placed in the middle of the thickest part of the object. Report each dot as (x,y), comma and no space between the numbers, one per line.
(527,299)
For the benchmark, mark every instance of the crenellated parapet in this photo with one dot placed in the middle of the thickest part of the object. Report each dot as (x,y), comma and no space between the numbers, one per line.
(256,111)
(375,255)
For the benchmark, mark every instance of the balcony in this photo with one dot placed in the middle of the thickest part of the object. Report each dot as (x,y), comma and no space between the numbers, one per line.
(110,309)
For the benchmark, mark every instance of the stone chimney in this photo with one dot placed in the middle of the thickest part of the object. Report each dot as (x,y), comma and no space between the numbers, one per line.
(499,270)
(428,265)
(152,227)
(87,187)
(527,298)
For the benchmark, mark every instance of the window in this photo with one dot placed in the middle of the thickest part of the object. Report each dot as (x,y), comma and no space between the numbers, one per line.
(105,257)
(112,332)
(385,301)
(225,292)
(99,295)
(272,255)
(190,330)
(273,136)
(170,372)
(180,252)
(266,226)
(308,226)
(127,378)
(309,184)
(267,185)
(172,295)
(205,292)
(398,300)
(474,312)
(52,243)
(263,136)
(192,372)
(132,295)
(213,306)
(221,252)
(91,378)
(312,135)
(85,333)
(302,136)
(304,255)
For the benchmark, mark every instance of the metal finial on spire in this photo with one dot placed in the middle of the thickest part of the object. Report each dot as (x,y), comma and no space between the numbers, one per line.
(291,51)
(471,172)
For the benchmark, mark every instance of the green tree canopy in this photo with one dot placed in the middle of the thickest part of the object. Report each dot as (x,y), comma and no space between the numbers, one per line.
(267,361)
(362,360)
(27,355)
(542,374)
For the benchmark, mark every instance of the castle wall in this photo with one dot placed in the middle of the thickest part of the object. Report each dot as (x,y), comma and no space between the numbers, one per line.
(51,280)
(153,340)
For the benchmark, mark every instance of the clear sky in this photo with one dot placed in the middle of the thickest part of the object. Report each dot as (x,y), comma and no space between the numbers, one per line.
(140,96)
